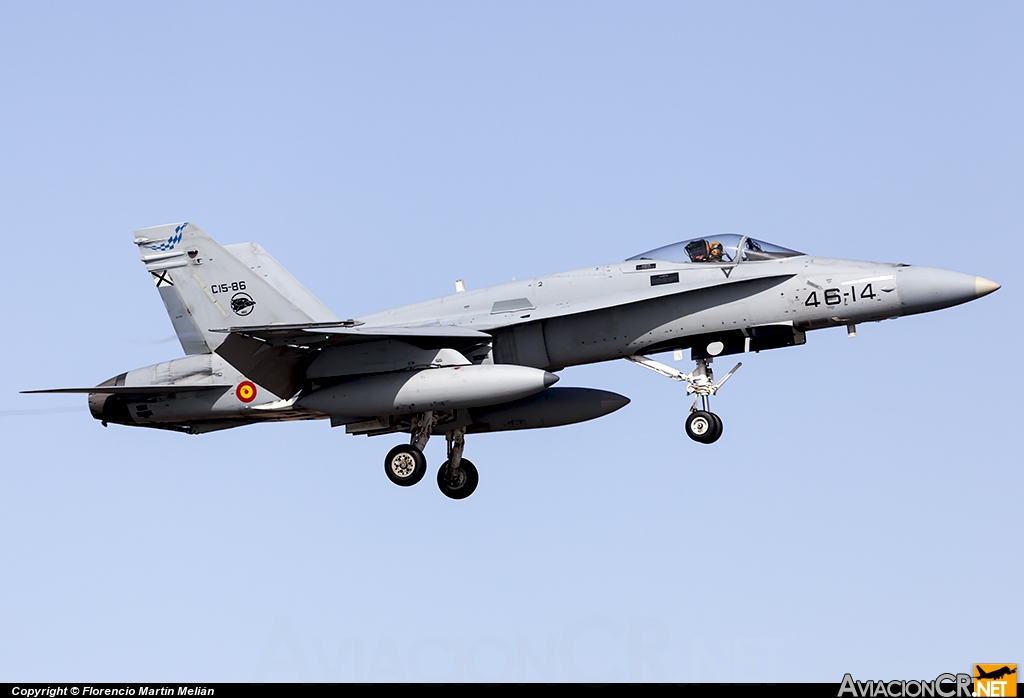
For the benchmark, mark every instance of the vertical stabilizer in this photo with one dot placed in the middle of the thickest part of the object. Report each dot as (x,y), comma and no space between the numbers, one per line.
(204,286)
(252,255)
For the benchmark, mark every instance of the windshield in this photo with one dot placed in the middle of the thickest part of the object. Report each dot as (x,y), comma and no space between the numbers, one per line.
(728,248)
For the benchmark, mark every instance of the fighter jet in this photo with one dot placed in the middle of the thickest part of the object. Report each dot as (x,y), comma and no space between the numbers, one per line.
(260,347)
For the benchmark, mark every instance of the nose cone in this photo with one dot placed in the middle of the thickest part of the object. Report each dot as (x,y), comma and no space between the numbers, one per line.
(923,289)
(983,287)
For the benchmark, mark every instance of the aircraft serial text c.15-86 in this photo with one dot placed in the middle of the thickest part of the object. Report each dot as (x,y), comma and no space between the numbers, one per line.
(260,347)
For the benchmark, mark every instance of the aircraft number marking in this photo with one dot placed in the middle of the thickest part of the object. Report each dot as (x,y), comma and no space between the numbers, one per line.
(228,288)
(835,296)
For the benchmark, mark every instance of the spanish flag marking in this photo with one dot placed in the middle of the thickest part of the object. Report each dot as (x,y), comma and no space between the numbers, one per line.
(246,391)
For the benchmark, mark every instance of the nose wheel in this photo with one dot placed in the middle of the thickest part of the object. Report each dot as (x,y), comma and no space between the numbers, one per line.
(702,425)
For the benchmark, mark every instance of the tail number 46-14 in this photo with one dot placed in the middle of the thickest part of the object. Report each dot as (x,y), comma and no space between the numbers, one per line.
(835,296)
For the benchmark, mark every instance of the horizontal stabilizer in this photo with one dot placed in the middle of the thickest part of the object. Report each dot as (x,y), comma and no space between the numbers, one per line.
(135,389)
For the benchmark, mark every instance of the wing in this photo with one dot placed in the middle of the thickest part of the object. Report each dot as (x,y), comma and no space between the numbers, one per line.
(277,356)
(323,334)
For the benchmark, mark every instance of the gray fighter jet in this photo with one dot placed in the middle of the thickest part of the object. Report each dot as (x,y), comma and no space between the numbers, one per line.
(260,347)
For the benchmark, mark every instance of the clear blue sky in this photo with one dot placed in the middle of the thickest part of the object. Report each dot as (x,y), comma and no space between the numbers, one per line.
(860,514)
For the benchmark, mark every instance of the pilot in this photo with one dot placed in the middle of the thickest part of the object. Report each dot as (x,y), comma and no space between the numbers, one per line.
(697,250)
(704,251)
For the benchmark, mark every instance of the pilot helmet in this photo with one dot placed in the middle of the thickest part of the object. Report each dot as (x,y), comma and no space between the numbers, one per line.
(697,250)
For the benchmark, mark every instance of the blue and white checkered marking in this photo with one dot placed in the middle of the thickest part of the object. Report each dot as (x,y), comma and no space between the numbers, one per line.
(170,242)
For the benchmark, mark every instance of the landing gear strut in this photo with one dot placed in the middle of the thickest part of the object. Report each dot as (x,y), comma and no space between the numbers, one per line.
(457,478)
(702,425)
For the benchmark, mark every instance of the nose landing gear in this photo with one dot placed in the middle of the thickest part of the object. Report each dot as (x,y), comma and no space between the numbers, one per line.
(702,425)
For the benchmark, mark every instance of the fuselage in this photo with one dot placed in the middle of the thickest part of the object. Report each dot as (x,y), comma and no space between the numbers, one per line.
(260,347)
(747,300)
(616,310)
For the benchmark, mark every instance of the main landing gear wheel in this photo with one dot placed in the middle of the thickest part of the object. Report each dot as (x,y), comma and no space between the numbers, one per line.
(405,465)
(461,482)
(704,427)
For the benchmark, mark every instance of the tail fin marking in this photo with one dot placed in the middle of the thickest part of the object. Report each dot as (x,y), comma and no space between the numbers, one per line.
(202,284)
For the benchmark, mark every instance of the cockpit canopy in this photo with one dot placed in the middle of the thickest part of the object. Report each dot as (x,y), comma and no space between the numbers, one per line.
(729,248)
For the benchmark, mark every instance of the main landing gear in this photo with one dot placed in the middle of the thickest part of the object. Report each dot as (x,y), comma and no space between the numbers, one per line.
(406,465)
(702,425)
(457,477)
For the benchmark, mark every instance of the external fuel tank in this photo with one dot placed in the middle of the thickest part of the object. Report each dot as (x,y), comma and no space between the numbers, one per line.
(447,388)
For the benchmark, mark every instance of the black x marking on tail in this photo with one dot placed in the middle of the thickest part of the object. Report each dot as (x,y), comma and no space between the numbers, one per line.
(163,278)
